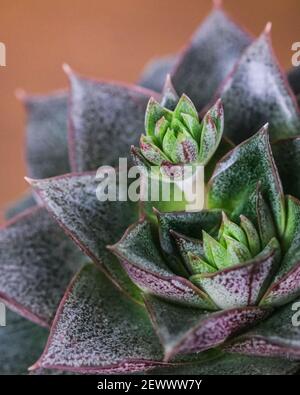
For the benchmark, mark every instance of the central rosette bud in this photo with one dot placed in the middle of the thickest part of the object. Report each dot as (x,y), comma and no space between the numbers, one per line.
(179,137)
(234,244)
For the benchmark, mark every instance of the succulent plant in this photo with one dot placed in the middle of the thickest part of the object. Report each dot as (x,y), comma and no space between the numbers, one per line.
(174,133)
(194,292)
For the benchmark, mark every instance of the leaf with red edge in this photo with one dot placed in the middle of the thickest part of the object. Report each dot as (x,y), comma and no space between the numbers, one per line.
(240,285)
(275,337)
(185,330)
(21,343)
(141,258)
(232,365)
(287,157)
(37,262)
(92,224)
(155,72)
(237,175)
(189,224)
(208,59)
(256,93)
(46,134)
(98,330)
(105,119)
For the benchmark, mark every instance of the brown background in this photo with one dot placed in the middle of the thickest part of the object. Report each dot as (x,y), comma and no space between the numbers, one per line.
(103,38)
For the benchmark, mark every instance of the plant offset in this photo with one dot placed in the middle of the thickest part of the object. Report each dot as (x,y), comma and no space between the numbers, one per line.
(171,292)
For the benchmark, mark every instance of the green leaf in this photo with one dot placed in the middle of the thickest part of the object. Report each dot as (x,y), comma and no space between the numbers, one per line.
(237,286)
(185,106)
(214,252)
(252,235)
(160,129)
(193,126)
(198,266)
(151,152)
(237,174)
(154,113)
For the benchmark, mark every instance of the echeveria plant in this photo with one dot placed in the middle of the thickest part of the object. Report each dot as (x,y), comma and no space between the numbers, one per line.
(201,292)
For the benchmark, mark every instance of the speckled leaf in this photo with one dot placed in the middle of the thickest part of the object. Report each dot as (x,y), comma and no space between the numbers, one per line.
(92,335)
(294,79)
(105,119)
(184,330)
(92,224)
(21,343)
(210,56)
(46,140)
(234,365)
(187,223)
(154,75)
(275,337)
(237,175)
(37,262)
(287,157)
(286,288)
(258,89)
(292,228)
(240,285)
(141,258)
(286,284)
(187,245)
(25,202)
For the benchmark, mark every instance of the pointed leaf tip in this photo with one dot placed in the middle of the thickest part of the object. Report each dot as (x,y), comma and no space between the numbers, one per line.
(67,69)
(217,4)
(20,94)
(268,28)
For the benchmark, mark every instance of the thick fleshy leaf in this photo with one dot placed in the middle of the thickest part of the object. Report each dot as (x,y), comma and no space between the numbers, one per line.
(277,336)
(21,343)
(287,157)
(105,119)
(186,330)
(241,285)
(186,223)
(155,73)
(37,261)
(98,330)
(210,56)
(46,140)
(286,288)
(186,246)
(141,258)
(27,201)
(294,79)
(73,201)
(236,177)
(234,365)
(256,93)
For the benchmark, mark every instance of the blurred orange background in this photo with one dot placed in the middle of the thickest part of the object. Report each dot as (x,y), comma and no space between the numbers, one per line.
(108,39)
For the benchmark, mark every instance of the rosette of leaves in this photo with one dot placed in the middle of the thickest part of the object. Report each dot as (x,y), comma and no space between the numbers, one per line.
(101,323)
(175,136)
